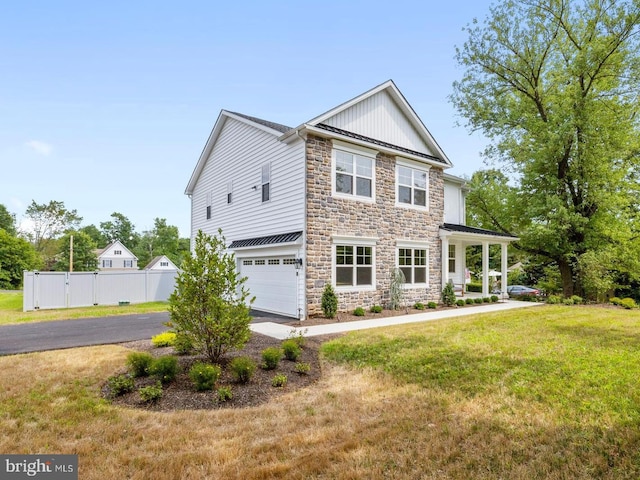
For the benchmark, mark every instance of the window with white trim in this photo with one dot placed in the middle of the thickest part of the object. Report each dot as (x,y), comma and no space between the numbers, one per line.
(413,264)
(229,191)
(107,263)
(128,264)
(354,174)
(354,265)
(452,259)
(412,185)
(117,252)
(164,264)
(266,182)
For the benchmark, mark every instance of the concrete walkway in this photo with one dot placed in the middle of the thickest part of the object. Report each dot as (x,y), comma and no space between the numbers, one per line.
(282,332)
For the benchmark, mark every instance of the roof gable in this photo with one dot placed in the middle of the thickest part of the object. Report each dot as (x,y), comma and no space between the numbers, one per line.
(107,252)
(384,114)
(160,258)
(273,128)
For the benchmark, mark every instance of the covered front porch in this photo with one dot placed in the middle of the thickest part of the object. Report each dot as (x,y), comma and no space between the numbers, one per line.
(455,240)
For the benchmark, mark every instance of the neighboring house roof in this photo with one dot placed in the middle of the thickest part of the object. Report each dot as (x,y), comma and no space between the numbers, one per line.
(269,240)
(156,260)
(100,251)
(319,125)
(452,227)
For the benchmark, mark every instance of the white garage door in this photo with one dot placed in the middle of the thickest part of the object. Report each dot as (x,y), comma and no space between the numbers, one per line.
(272,280)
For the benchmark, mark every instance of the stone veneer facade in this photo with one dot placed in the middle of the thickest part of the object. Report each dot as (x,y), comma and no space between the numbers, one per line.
(328,216)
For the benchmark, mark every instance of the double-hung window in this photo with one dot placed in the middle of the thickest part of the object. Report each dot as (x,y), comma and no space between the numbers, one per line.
(413,260)
(354,174)
(128,263)
(412,185)
(354,262)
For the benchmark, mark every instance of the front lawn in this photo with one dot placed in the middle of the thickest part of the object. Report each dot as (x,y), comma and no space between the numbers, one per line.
(543,393)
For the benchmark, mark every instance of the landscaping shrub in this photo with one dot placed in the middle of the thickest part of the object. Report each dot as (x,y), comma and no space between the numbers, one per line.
(164,339)
(329,301)
(298,336)
(576,300)
(138,363)
(279,380)
(242,369)
(376,309)
(468,301)
(419,306)
(615,300)
(182,345)
(120,384)
(554,299)
(448,295)
(164,368)
(271,357)
(210,304)
(432,305)
(494,298)
(302,368)
(486,299)
(224,394)
(477,300)
(152,393)
(291,350)
(628,303)
(204,375)
(567,301)
(460,303)
(359,312)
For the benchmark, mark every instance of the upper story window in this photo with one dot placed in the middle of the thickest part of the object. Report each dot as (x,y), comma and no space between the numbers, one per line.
(354,173)
(164,264)
(117,252)
(266,182)
(412,185)
(128,264)
(229,191)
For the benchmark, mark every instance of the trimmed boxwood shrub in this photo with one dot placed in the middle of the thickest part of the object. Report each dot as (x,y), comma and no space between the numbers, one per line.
(432,305)
(460,303)
(359,312)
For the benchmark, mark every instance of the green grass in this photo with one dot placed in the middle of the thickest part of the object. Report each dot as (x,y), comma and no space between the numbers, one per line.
(581,364)
(11,310)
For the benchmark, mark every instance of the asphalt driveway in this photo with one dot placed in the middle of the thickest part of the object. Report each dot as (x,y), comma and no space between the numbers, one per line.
(34,337)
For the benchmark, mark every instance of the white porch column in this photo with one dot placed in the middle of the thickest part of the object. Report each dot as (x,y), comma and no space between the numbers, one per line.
(503,265)
(485,269)
(445,260)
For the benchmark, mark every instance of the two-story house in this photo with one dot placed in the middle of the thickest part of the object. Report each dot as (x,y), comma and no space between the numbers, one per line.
(116,256)
(346,198)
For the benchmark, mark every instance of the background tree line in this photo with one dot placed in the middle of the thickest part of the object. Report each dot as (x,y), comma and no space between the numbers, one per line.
(46,244)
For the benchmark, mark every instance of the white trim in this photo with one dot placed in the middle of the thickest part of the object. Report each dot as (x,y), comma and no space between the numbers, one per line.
(353,242)
(414,245)
(361,152)
(413,165)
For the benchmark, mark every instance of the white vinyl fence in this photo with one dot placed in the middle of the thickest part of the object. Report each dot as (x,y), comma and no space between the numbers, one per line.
(82,289)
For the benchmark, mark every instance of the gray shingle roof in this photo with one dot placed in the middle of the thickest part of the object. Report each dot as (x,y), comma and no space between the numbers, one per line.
(276,126)
(380,143)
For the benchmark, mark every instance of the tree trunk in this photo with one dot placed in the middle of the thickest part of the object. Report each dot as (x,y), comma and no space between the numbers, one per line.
(566,274)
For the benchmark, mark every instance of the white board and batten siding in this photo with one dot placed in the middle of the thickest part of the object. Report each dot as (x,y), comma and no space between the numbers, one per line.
(379,117)
(454,201)
(237,157)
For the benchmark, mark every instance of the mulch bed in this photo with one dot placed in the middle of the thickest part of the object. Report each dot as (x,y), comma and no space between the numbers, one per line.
(182,395)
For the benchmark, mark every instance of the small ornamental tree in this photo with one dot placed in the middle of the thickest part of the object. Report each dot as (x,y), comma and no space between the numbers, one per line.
(329,301)
(448,295)
(210,305)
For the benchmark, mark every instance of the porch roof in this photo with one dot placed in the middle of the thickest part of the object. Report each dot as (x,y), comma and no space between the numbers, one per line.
(479,234)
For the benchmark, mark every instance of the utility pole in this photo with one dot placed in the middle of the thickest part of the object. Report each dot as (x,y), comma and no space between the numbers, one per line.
(71,253)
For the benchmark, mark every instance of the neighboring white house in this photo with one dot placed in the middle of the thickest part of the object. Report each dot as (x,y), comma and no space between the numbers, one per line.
(116,256)
(161,262)
(346,198)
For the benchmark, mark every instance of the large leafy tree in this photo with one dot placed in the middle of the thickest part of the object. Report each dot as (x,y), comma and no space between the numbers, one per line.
(210,305)
(163,239)
(48,222)
(554,85)
(7,221)
(120,228)
(84,256)
(16,255)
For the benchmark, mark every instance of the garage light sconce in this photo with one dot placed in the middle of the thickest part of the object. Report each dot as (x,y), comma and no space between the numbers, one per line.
(298,263)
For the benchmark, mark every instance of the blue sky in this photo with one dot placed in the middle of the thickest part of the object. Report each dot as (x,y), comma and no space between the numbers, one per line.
(106,106)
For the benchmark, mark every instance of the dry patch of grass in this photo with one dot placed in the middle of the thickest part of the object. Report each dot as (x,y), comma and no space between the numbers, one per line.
(389,411)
